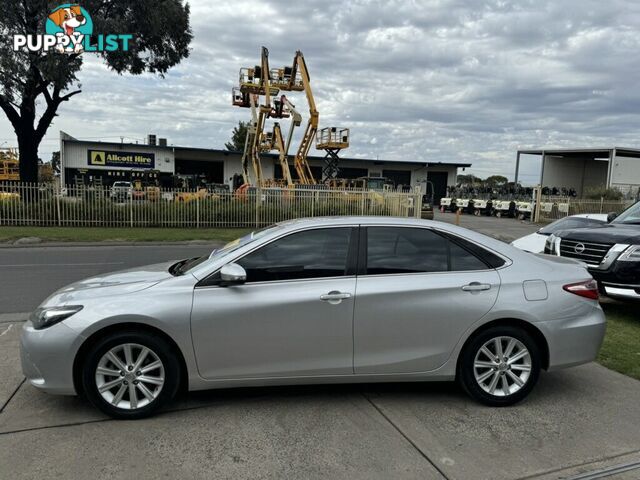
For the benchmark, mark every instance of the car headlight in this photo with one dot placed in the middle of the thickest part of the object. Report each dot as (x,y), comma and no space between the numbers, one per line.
(549,245)
(631,254)
(45,317)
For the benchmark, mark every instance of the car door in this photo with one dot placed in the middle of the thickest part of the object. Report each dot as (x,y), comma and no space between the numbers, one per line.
(292,317)
(417,293)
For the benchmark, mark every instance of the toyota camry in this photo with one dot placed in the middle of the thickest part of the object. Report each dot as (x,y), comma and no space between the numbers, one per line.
(325,300)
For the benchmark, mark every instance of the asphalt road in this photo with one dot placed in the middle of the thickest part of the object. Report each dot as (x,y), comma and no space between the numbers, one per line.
(30,274)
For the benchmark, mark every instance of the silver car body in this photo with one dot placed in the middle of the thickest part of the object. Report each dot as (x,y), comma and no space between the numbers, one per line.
(397,327)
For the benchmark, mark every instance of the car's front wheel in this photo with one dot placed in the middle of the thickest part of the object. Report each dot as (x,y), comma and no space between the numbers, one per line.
(499,366)
(130,375)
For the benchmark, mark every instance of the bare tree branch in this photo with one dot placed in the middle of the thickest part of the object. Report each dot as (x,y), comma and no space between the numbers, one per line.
(9,111)
(69,95)
(52,107)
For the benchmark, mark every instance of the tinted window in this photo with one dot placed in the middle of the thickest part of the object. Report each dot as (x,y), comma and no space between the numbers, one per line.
(568,223)
(405,250)
(462,260)
(309,254)
(486,257)
(413,250)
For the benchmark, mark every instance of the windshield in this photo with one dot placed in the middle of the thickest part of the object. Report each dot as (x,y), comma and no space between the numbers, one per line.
(183,266)
(631,216)
(569,223)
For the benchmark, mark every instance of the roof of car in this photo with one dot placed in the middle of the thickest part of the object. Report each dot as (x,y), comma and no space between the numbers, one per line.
(356,219)
(593,216)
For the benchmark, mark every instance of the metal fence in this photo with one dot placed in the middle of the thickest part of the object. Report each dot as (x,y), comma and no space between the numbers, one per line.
(554,208)
(48,205)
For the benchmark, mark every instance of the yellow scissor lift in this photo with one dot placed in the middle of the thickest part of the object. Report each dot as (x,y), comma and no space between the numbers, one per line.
(332,140)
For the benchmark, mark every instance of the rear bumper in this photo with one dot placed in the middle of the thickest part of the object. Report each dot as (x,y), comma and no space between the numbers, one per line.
(574,341)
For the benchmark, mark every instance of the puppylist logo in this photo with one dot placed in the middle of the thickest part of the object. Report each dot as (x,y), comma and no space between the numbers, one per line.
(69,29)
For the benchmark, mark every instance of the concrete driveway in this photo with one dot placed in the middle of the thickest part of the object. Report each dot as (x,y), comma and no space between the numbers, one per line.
(577,420)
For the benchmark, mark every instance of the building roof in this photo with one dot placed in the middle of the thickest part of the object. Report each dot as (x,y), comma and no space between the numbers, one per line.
(583,152)
(176,148)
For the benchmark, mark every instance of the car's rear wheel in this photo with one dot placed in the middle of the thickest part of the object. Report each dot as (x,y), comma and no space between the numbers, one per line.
(130,375)
(499,366)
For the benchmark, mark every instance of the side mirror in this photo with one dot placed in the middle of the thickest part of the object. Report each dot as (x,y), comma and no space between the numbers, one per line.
(611,216)
(232,274)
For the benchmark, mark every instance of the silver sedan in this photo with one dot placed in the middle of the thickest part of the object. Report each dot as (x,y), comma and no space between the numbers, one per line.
(328,300)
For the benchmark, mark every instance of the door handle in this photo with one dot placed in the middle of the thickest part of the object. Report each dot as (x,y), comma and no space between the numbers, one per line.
(476,287)
(335,297)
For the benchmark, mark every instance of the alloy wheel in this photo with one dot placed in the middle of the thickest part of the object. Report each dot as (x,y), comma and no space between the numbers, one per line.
(129,376)
(502,366)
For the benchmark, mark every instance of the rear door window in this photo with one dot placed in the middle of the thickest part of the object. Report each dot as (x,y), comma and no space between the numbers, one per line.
(392,250)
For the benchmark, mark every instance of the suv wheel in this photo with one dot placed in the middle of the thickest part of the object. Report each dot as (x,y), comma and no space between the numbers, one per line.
(499,366)
(130,375)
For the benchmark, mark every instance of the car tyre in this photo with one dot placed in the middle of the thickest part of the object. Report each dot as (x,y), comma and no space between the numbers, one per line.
(491,379)
(130,375)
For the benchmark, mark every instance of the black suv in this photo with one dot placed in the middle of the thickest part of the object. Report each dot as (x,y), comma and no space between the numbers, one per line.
(611,251)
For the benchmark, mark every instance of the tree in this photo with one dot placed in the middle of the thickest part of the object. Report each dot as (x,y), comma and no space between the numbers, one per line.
(55,162)
(40,82)
(468,179)
(45,172)
(238,137)
(496,181)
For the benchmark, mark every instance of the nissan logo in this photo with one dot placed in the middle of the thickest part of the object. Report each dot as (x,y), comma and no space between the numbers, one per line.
(579,248)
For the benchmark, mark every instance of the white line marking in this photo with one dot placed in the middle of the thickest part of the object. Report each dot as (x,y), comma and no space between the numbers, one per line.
(58,264)
(7,330)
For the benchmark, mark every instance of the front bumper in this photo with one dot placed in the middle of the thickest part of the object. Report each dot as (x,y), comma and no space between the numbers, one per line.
(622,279)
(576,340)
(47,357)
(621,291)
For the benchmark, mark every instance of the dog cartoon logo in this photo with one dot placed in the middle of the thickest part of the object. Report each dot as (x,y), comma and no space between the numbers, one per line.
(70,20)
(69,29)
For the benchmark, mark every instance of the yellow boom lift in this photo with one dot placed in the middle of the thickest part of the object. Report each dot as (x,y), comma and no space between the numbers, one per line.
(261,81)
(331,139)
(296,78)
(255,82)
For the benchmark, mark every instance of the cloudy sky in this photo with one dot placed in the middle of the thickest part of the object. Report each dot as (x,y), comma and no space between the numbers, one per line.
(432,80)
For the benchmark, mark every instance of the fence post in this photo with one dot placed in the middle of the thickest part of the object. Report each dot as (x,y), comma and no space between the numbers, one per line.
(197,211)
(601,203)
(258,201)
(537,203)
(58,193)
(314,198)
(131,208)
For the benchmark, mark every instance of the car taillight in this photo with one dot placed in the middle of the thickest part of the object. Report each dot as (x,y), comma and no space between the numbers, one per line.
(588,289)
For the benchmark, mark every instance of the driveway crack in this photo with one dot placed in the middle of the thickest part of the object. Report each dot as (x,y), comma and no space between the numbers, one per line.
(12,395)
(422,453)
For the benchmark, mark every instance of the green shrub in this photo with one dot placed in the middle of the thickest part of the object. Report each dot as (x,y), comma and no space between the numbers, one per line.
(602,192)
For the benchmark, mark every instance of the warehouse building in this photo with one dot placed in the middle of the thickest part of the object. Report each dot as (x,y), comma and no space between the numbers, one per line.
(582,169)
(106,162)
